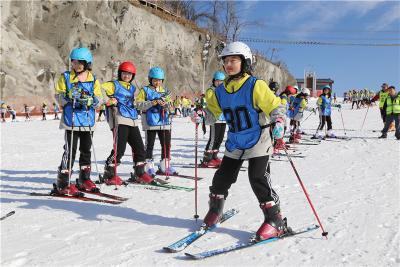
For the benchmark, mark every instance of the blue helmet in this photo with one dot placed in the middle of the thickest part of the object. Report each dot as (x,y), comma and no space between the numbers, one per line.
(81,53)
(326,87)
(156,73)
(219,75)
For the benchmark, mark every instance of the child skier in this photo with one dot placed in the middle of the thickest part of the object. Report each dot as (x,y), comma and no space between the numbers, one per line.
(3,111)
(78,92)
(217,130)
(249,107)
(56,110)
(44,111)
(122,118)
(324,104)
(285,97)
(154,100)
(102,111)
(27,111)
(298,104)
(12,113)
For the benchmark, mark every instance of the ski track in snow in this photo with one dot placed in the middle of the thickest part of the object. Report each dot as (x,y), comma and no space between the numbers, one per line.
(354,186)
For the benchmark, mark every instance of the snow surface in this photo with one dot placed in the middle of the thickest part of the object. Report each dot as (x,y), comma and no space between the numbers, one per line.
(354,186)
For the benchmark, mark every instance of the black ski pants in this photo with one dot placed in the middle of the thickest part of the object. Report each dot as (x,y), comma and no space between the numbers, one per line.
(383,115)
(322,120)
(85,144)
(165,141)
(389,119)
(259,176)
(217,132)
(131,135)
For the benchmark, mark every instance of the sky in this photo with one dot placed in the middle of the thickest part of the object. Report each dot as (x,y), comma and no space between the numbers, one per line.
(351,67)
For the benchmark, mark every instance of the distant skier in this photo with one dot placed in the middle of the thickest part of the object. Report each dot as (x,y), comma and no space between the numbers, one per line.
(78,93)
(102,111)
(13,113)
(44,111)
(285,96)
(27,111)
(56,110)
(155,101)
(123,115)
(249,107)
(217,130)
(3,111)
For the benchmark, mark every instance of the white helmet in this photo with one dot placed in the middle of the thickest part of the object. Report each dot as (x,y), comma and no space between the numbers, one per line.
(305,91)
(238,49)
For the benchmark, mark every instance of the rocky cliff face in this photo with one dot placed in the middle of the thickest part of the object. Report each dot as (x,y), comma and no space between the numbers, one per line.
(37,36)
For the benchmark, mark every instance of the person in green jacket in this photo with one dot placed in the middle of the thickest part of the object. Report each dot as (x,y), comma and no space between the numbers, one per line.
(391,106)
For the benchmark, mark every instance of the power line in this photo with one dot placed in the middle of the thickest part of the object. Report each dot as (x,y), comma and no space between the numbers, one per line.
(305,42)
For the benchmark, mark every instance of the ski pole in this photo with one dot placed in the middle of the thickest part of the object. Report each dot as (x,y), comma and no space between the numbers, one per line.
(196,139)
(307,117)
(344,129)
(7,215)
(71,143)
(165,146)
(362,126)
(91,139)
(115,132)
(305,192)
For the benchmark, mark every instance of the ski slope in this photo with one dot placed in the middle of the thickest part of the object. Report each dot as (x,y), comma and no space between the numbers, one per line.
(354,186)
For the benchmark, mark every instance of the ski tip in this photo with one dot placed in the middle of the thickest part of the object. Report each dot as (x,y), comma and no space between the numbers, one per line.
(170,250)
(192,256)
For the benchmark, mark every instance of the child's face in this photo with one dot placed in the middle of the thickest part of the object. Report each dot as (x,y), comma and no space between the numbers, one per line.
(126,76)
(326,90)
(156,82)
(232,65)
(217,83)
(77,66)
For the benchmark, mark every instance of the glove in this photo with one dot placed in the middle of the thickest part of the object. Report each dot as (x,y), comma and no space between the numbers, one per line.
(277,132)
(112,102)
(197,116)
(314,110)
(74,94)
(86,101)
(339,106)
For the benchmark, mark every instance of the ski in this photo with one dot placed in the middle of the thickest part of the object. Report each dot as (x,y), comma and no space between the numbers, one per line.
(179,175)
(98,193)
(82,198)
(211,253)
(339,137)
(101,194)
(7,215)
(294,155)
(189,239)
(168,186)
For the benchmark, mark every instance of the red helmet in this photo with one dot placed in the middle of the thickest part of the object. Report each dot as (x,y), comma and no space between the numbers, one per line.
(290,90)
(127,66)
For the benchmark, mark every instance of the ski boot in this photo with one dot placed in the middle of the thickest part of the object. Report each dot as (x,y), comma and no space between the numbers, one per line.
(330,134)
(84,183)
(215,158)
(62,187)
(383,136)
(214,213)
(109,176)
(293,139)
(208,161)
(279,145)
(149,168)
(318,135)
(165,168)
(273,225)
(141,176)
